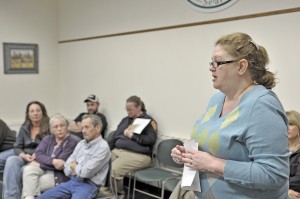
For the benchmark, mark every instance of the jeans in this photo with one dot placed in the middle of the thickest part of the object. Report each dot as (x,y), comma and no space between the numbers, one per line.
(75,188)
(4,155)
(12,177)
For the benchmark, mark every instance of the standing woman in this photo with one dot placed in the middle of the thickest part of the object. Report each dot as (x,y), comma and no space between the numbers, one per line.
(242,136)
(33,130)
(294,147)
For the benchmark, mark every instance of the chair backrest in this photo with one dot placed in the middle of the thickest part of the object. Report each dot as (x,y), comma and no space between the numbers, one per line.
(1,190)
(109,136)
(163,152)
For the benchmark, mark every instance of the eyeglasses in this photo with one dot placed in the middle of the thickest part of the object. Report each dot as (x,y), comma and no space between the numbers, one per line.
(59,126)
(216,64)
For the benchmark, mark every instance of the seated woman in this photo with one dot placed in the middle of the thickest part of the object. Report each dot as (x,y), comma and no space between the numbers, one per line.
(294,147)
(33,130)
(131,151)
(46,171)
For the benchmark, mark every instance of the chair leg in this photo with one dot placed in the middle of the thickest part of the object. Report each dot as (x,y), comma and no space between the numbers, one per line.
(114,186)
(133,191)
(162,190)
(129,185)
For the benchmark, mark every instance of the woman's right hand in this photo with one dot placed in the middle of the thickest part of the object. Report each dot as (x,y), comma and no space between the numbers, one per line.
(58,164)
(294,194)
(26,157)
(176,154)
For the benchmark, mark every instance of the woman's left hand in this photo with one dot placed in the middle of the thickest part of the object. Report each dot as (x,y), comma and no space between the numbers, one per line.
(128,132)
(294,194)
(35,163)
(33,156)
(203,162)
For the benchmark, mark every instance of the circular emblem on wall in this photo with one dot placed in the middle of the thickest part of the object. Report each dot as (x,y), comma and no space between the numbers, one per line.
(210,5)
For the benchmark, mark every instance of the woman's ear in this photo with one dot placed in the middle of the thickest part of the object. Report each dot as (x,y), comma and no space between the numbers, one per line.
(243,66)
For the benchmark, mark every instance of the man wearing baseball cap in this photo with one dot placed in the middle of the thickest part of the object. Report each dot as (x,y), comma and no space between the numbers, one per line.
(92,105)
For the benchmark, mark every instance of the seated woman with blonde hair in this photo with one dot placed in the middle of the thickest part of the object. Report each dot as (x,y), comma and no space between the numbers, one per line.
(294,147)
(46,171)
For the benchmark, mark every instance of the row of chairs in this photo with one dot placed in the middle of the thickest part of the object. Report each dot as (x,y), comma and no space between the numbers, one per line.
(164,172)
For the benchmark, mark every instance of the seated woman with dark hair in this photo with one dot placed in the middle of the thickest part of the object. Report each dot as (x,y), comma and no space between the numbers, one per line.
(32,131)
(46,171)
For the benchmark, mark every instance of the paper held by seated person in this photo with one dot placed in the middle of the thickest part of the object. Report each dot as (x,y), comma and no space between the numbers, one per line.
(190,177)
(138,125)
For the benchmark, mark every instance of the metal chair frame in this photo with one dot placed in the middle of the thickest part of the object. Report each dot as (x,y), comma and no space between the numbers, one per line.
(164,164)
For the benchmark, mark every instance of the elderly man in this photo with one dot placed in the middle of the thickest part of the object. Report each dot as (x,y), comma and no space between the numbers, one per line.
(92,105)
(88,165)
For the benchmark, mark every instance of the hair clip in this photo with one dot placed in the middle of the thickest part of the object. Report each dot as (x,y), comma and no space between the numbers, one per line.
(256,46)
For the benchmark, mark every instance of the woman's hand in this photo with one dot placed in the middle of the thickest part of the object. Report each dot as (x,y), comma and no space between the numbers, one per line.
(59,164)
(26,157)
(34,163)
(128,132)
(33,156)
(203,162)
(294,194)
(176,154)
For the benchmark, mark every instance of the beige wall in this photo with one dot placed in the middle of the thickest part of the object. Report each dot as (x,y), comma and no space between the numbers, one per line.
(30,21)
(87,18)
(168,69)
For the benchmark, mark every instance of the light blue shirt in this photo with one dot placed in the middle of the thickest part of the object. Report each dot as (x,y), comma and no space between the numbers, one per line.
(92,160)
(253,139)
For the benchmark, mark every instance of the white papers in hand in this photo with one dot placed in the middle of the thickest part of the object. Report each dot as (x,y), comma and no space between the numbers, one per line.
(190,177)
(139,124)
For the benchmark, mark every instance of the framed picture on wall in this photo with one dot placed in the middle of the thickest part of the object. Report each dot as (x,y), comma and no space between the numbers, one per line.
(20,58)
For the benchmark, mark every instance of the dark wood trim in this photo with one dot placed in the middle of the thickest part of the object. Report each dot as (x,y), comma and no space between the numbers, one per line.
(264,14)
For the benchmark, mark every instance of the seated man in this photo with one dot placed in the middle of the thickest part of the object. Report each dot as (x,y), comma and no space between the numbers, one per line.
(92,105)
(131,151)
(7,140)
(88,165)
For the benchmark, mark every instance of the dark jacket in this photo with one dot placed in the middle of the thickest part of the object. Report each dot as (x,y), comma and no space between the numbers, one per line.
(295,171)
(139,143)
(45,154)
(7,137)
(24,142)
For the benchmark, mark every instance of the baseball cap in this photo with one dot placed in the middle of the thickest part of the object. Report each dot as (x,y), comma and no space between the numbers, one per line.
(92,98)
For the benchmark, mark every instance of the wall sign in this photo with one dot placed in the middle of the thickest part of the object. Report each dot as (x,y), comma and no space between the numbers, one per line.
(210,5)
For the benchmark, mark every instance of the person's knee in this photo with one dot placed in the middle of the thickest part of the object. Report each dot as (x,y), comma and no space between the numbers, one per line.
(13,160)
(117,175)
(28,169)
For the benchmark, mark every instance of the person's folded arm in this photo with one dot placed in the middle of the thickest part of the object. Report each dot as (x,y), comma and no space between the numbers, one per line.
(148,136)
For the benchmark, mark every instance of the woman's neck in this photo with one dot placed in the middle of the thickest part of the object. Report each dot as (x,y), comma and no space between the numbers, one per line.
(139,114)
(60,140)
(294,144)
(232,101)
(237,94)
(35,124)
